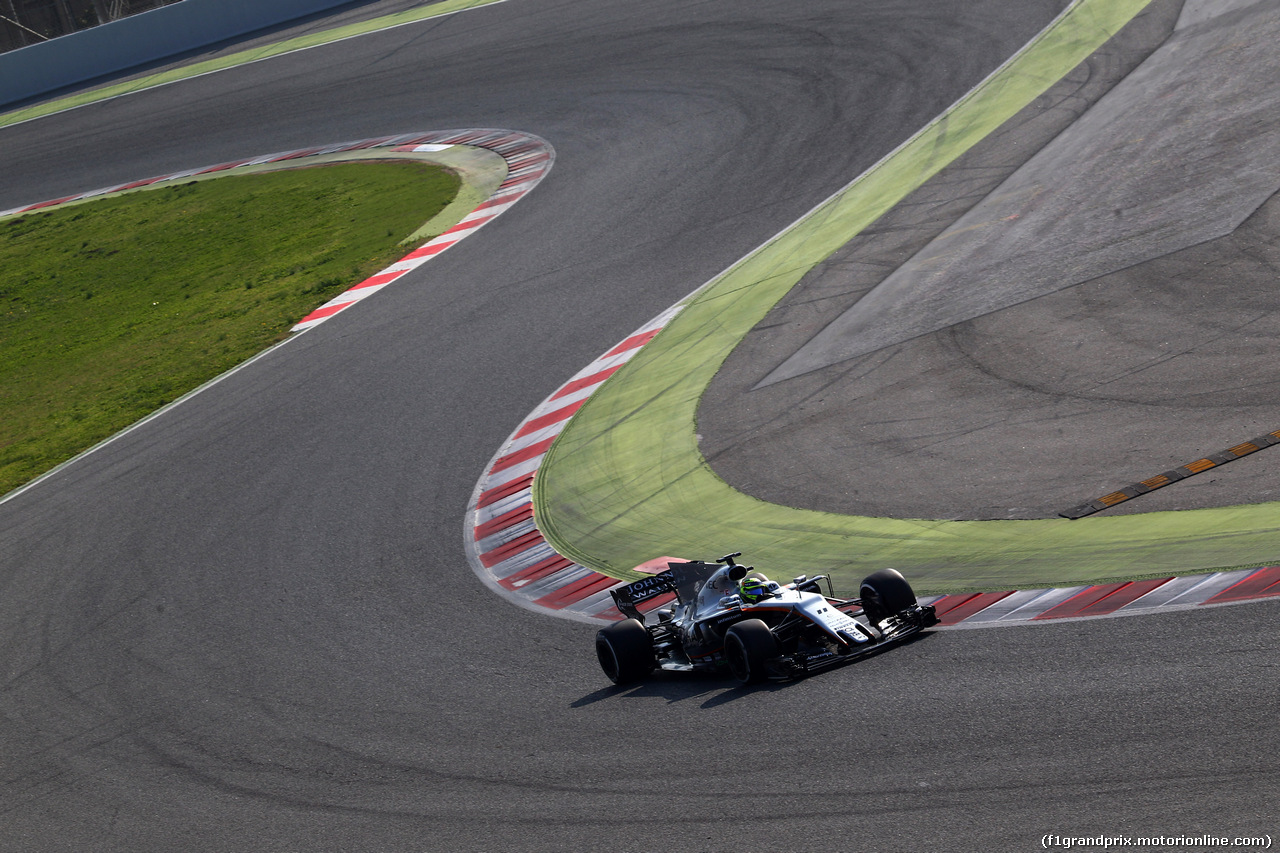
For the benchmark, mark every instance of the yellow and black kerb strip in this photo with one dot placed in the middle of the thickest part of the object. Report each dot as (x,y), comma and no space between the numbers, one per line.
(1180,473)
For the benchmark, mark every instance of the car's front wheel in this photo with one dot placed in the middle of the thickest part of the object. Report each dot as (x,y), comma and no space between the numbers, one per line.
(625,651)
(885,593)
(748,645)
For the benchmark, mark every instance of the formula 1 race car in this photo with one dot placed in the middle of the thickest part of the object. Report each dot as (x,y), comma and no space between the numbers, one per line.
(725,615)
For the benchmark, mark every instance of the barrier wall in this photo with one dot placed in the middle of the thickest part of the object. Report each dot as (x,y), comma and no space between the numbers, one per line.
(115,46)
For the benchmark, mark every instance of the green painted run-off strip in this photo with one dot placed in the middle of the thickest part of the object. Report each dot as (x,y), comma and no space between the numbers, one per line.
(244,57)
(625,481)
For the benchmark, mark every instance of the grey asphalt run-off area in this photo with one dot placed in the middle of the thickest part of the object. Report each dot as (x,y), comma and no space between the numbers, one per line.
(1085,300)
(250,624)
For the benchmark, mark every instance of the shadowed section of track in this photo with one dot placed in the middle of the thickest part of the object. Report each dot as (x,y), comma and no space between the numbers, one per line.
(251,625)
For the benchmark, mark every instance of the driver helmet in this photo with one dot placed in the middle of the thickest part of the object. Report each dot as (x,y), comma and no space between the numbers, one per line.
(755,589)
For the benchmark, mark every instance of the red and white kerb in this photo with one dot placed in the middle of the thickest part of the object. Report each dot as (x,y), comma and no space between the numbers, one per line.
(528,161)
(506,548)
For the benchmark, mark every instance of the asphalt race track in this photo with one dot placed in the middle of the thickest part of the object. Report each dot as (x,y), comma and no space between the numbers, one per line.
(250,624)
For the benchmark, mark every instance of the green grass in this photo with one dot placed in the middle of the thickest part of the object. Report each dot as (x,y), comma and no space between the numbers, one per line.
(111,309)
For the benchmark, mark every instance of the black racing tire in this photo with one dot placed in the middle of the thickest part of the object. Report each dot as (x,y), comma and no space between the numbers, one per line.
(885,593)
(625,651)
(748,645)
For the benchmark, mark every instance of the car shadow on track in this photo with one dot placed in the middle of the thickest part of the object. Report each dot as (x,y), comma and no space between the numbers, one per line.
(672,686)
(716,690)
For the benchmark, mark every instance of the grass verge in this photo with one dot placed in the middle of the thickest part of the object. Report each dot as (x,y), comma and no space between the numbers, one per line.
(113,308)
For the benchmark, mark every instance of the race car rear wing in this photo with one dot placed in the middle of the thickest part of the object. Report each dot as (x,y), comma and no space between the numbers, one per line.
(627,597)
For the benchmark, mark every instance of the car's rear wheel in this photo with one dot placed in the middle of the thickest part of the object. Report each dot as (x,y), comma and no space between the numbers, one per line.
(748,646)
(885,593)
(625,651)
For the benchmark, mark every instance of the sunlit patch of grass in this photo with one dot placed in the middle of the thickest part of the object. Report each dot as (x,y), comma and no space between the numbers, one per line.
(111,309)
